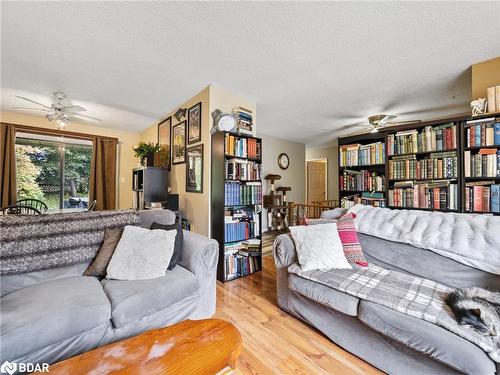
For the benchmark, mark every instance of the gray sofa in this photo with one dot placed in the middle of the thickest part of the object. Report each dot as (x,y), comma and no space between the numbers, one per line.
(51,314)
(391,341)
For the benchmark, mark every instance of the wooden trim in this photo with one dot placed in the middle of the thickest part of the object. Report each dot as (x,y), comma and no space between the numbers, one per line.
(37,130)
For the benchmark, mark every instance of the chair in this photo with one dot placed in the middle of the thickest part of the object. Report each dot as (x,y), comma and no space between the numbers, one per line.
(92,206)
(31,202)
(19,210)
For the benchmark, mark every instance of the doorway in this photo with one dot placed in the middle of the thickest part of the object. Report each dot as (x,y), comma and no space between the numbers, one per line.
(317,180)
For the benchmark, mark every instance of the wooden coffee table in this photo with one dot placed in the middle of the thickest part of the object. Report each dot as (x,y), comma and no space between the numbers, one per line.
(190,347)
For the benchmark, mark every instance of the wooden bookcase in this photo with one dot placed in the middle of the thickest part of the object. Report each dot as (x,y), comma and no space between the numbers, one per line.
(461,142)
(225,204)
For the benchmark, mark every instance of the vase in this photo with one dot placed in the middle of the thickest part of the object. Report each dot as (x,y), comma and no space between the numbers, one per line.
(150,159)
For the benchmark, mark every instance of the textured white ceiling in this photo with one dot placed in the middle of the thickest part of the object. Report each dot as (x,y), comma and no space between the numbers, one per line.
(312,68)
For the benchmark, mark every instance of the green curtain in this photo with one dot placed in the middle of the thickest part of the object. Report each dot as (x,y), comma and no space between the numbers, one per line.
(7,165)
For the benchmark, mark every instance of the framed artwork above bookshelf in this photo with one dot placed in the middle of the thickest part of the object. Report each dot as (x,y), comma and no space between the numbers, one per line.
(431,165)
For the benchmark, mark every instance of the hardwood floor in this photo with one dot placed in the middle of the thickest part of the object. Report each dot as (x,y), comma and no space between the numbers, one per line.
(275,342)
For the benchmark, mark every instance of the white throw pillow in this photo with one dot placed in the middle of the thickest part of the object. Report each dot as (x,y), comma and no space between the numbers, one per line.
(319,247)
(141,254)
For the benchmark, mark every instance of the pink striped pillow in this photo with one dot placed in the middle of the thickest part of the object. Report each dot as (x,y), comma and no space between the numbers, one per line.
(350,241)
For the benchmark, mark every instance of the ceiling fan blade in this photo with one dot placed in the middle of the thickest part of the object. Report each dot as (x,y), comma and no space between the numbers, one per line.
(386,120)
(30,109)
(73,109)
(32,101)
(85,116)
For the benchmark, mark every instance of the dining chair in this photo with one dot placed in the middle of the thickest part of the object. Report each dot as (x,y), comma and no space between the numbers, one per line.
(31,202)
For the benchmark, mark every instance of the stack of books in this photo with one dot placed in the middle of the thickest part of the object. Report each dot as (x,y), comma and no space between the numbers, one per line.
(437,138)
(439,165)
(250,247)
(242,194)
(482,196)
(244,118)
(357,154)
(441,195)
(242,170)
(362,181)
(486,163)
(484,132)
(242,147)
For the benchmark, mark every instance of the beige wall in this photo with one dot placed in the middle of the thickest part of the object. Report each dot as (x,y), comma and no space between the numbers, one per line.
(196,207)
(294,176)
(485,74)
(126,139)
(331,153)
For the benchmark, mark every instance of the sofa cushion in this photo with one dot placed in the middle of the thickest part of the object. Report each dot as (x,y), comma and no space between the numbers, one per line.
(343,302)
(133,300)
(49,312)
(426,338)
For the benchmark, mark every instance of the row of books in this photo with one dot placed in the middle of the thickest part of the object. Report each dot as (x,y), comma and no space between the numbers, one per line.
(242,147)
(244,119)
(241,223)
(362,181)
(434,196)
(366,198)
(485,132)
(237,265)
(357,154)
(236,193)
(249,247)
(437,138)
(439,165)
(486,163)
(240,169)
(482,197)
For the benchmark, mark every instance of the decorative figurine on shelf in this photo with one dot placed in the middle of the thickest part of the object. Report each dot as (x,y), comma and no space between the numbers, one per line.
(479,106)
(146,152)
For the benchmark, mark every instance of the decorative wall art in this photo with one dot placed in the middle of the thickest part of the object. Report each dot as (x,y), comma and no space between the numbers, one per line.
(179,143)
(194,169)
(194,123)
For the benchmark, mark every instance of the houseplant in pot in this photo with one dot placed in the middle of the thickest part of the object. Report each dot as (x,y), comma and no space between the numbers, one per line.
(145,152)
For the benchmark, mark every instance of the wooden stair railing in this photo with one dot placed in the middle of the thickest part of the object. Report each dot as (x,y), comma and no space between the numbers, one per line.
(297,212)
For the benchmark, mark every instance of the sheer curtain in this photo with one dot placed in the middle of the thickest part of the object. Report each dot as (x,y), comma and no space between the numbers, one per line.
(7,165)
(103,174)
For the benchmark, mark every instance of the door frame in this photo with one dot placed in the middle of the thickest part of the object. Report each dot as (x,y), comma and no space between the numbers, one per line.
(325,160)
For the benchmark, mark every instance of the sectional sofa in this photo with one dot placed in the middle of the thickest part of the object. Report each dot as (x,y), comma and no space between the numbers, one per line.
(50,312)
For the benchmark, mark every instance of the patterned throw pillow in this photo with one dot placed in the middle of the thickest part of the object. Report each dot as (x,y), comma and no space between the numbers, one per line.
(350,241)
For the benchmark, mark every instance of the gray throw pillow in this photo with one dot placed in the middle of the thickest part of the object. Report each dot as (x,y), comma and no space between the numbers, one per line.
(334,214)
(141,254)
(179,239)
(98,266)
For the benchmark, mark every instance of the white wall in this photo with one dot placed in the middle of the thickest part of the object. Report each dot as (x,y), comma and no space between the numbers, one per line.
(294,176)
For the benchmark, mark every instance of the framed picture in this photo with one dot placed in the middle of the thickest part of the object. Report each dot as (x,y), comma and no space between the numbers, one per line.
(194,169)
(179,143)
(163,157)
(194,123)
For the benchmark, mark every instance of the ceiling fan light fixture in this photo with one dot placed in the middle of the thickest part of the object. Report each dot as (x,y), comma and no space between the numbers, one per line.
(49,117)
(374,130)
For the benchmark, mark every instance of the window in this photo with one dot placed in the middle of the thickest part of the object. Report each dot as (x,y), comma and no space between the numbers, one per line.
(55,170)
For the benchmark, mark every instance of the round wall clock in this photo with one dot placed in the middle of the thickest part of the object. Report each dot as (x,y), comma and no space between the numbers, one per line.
(283,161)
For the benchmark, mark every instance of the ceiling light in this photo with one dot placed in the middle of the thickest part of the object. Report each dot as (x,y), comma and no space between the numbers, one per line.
(49,117)
(60,124)
(374,130)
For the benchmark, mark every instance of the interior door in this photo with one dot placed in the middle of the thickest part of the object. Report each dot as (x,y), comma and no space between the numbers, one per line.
(316,181)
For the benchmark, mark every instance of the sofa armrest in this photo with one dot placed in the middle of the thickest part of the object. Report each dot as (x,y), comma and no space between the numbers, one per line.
(200,255)
(284,256)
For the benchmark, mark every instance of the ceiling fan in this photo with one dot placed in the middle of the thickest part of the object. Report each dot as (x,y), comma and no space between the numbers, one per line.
(57,111)
(378,122)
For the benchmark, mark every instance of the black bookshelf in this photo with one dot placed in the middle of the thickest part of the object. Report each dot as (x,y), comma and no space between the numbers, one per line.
(149,184)
(220,205)
(460,122)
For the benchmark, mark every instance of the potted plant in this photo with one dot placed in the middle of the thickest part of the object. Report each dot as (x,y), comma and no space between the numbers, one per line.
(145,152)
